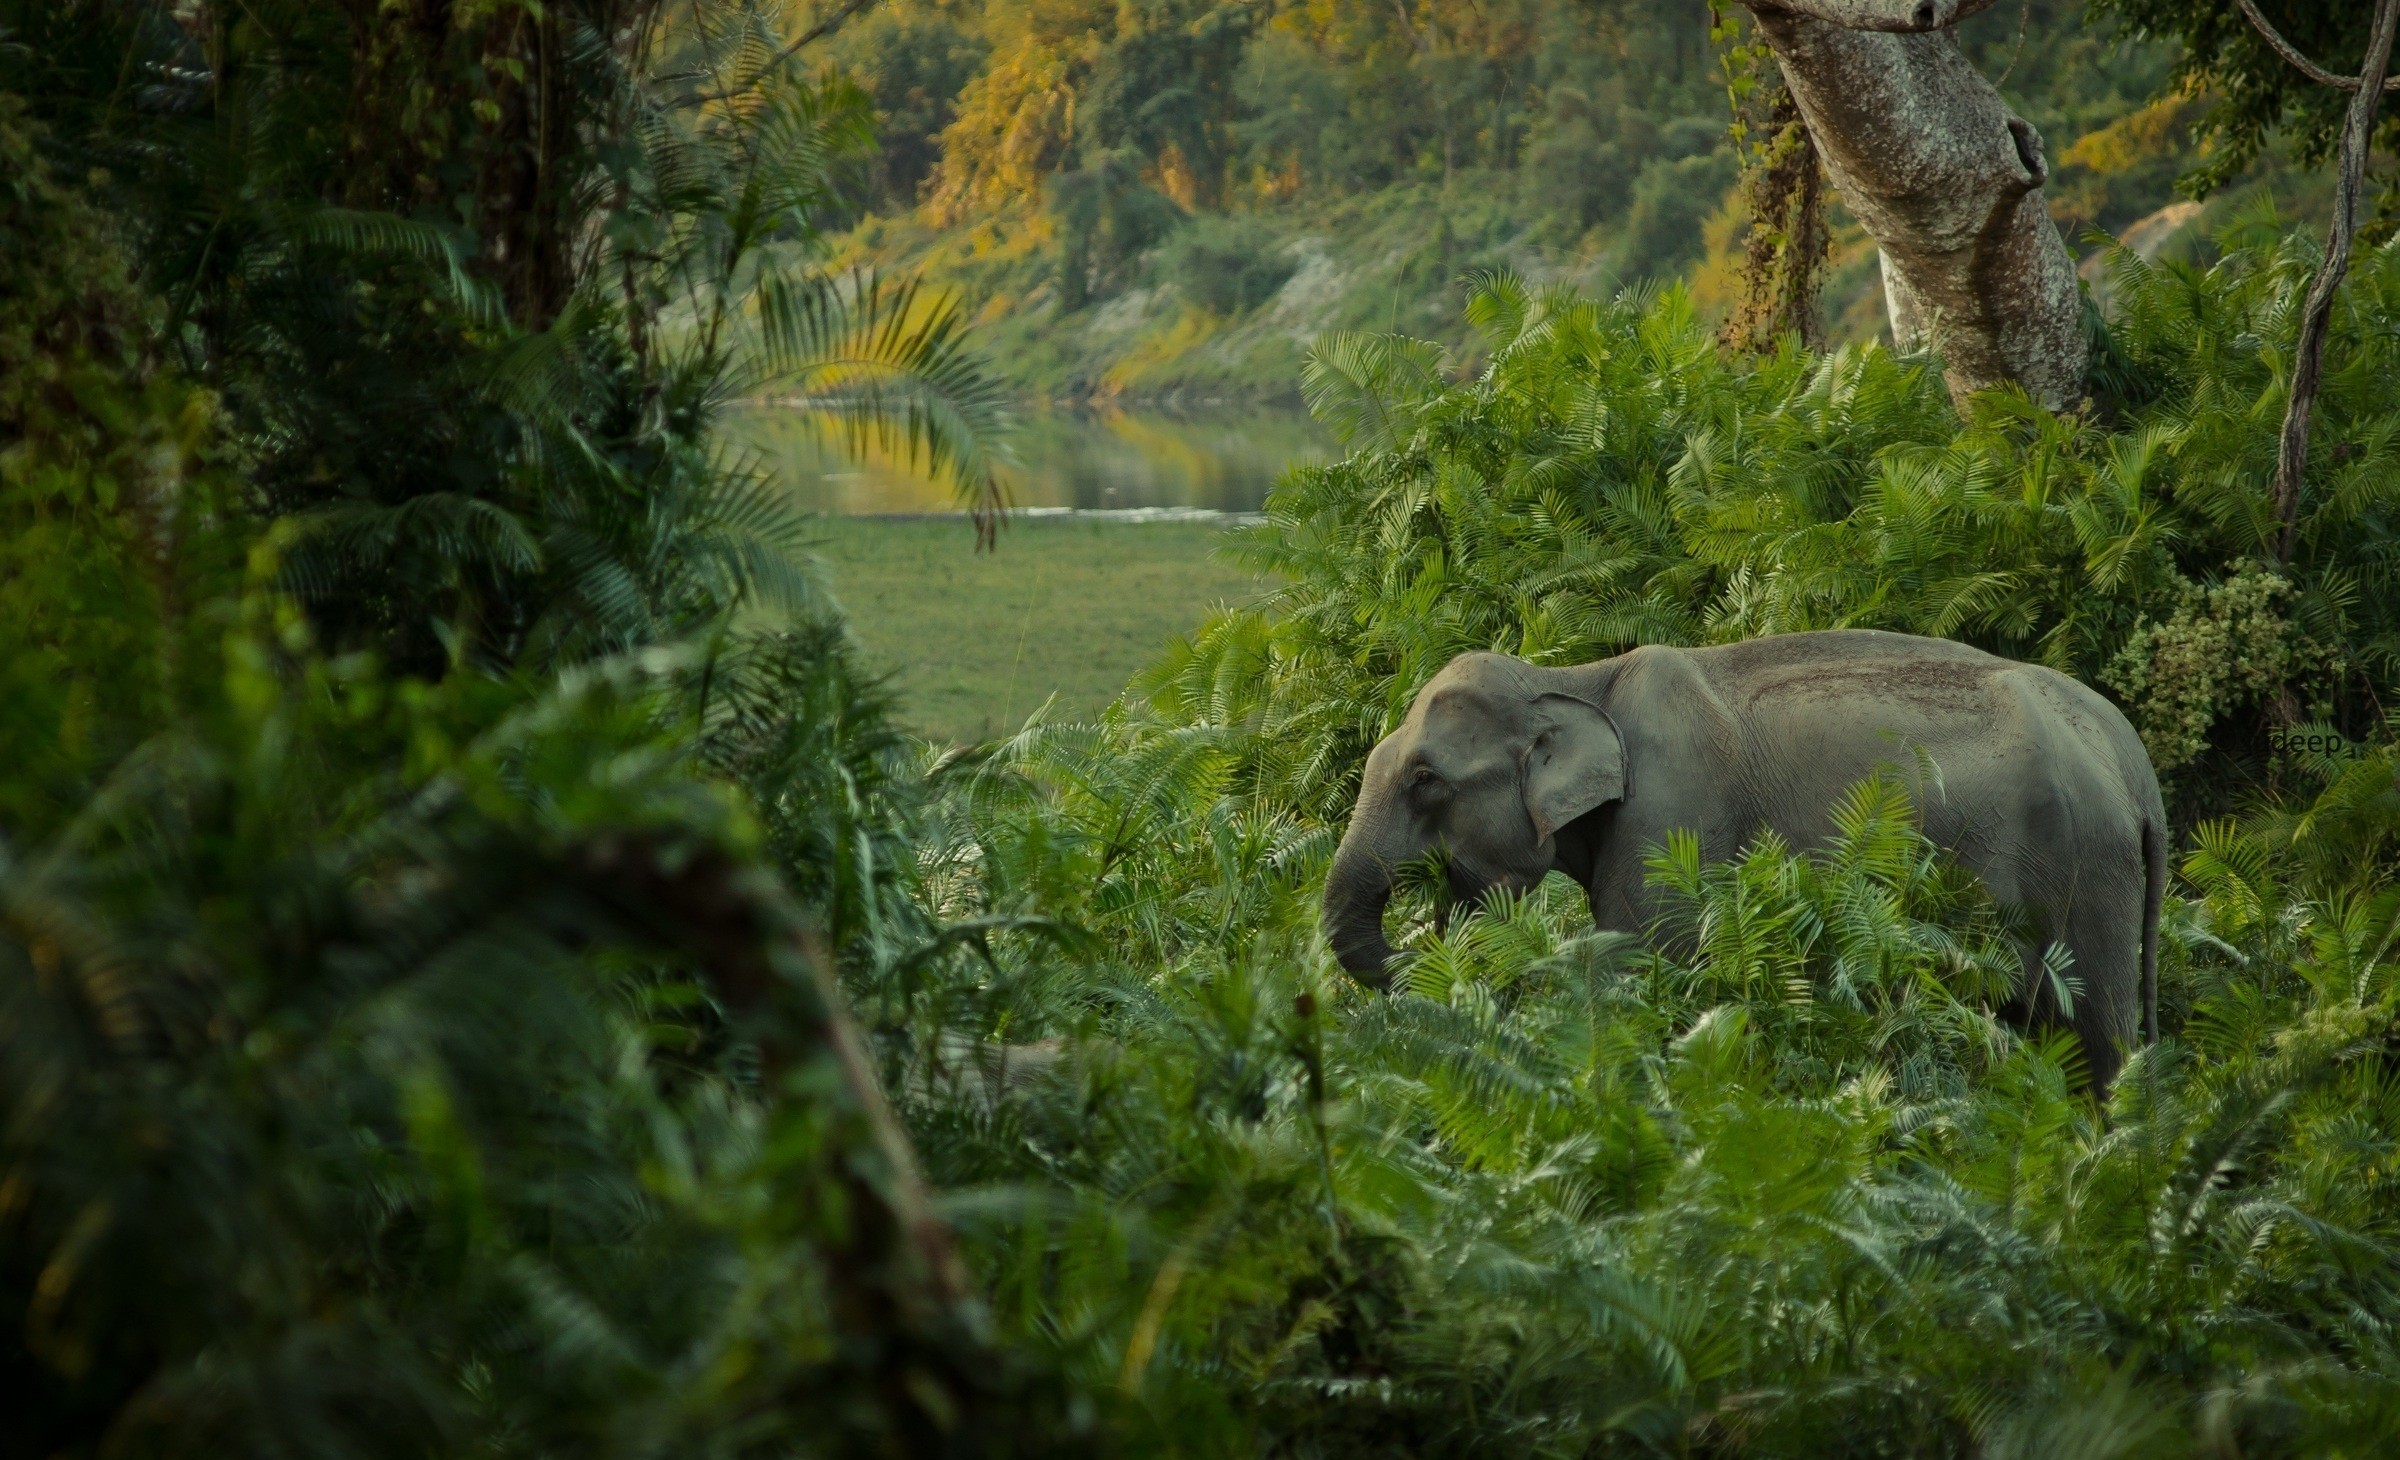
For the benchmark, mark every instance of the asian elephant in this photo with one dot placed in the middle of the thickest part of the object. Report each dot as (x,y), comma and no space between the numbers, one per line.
(1515,771)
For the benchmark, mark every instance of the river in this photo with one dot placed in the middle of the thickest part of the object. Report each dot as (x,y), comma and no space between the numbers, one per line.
(1218,460)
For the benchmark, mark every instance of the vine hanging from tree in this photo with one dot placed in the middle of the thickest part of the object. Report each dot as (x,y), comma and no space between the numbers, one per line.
(1783,191)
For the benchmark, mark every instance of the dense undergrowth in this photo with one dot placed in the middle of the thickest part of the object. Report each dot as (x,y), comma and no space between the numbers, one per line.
(434,790)
(1611,478)
(480,974)
(1790,1190)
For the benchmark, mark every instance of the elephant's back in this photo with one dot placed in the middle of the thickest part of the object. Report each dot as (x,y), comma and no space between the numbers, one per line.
(1849,665)
(2081,730)
(1846,697)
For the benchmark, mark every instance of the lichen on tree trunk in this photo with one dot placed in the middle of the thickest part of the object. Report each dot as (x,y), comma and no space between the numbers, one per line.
(1785,248)
(1946,181)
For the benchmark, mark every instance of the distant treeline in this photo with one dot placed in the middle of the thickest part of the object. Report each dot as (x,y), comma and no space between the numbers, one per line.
(1124,116)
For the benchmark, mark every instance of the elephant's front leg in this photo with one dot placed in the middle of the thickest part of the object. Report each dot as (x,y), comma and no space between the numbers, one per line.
(1617,887)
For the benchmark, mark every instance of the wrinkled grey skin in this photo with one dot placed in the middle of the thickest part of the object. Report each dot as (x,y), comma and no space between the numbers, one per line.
(2040,787)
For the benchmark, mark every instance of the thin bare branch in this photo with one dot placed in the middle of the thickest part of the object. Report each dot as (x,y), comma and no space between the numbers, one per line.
(2308,362)
(2291,53)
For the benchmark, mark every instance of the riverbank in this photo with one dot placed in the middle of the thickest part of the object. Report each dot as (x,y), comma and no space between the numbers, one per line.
(1091,460)
(1066,610)
(1230,323)
(1221,311)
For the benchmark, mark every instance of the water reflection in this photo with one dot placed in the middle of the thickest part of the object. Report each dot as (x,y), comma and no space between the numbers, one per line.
(1222,461)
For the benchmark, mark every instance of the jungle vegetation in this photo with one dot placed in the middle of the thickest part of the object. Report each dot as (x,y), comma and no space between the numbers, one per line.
(481,975)
(1164,198)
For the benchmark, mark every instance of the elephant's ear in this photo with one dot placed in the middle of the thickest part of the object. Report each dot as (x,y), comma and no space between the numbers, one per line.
(1575,762)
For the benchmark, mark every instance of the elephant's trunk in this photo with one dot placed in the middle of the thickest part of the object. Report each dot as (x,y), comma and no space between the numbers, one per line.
(1357,890)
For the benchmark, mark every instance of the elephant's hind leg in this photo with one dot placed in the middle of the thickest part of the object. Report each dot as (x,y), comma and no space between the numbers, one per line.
(2096,918)
(2104,933)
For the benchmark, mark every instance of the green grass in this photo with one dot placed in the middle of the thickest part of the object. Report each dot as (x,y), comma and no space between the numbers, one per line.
(977,641)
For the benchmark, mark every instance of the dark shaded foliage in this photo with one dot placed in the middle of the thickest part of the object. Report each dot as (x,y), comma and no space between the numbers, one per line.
(2257,94)
(471,284)
(410,1040)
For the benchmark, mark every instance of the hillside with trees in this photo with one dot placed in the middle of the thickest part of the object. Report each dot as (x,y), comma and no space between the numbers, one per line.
(1174,196)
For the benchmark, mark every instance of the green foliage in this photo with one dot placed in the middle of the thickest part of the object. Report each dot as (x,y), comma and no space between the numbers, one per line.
(1774,1180)
(1777,1184)
(479,974)
(395,1068)
(913,60)
(1215,99)
(1385,149)
(418,1019)
(1671,201)
(104,477)
(1107,218)
(2221,646)
(461,334)
(2256,93)
(1609,479)
(1226,266)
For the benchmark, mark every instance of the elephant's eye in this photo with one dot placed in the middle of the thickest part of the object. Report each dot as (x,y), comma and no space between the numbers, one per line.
(1421,776)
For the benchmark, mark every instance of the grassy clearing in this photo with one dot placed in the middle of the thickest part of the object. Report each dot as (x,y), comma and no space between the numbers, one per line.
(977,641)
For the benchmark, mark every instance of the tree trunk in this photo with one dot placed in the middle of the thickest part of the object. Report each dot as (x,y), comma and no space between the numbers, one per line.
(2308,358)
(1947,182)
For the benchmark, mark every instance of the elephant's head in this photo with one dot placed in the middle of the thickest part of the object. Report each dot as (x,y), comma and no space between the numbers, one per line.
(1491,761)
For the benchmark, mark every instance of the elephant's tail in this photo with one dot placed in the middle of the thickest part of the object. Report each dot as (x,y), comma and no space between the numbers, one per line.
(2154,900)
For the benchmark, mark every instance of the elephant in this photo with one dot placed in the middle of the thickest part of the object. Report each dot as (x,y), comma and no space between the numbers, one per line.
(1514,770)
